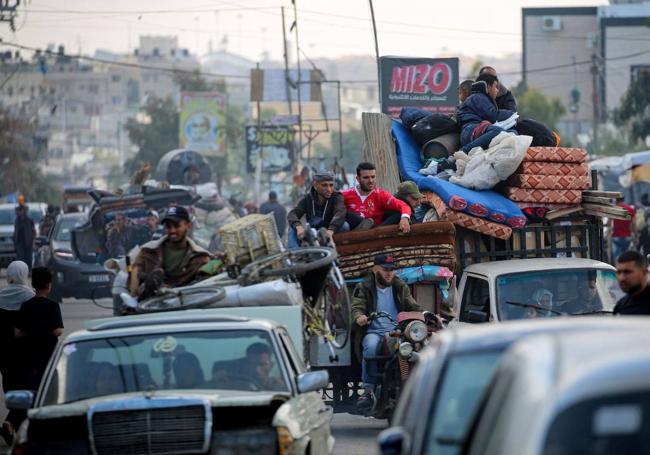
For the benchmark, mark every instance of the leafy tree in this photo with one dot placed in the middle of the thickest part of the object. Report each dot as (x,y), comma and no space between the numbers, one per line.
(531,103)
(154,132)
(634,111)
(19,171)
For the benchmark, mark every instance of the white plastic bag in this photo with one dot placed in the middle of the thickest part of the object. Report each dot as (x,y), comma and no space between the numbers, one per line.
(486,168)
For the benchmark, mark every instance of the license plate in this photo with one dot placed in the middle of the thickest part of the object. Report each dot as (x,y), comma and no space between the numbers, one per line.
(99,278)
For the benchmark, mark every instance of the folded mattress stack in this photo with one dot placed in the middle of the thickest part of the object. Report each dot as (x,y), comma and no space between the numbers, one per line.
(552,177)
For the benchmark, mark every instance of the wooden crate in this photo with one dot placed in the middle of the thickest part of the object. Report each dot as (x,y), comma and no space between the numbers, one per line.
(250,238)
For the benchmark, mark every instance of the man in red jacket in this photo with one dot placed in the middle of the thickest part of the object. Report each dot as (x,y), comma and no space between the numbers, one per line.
(366,202)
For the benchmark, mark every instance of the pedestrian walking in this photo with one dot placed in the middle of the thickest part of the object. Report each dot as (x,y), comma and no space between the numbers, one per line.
(24,235)
(12,298)
(632,275)
(38,327)
(278,210)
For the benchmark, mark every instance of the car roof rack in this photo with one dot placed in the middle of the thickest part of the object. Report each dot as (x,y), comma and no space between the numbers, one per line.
(184,317)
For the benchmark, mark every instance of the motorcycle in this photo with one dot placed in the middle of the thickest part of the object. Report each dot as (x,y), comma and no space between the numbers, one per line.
(397,354)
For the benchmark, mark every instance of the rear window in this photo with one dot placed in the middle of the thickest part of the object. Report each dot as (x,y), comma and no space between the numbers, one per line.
(614,424)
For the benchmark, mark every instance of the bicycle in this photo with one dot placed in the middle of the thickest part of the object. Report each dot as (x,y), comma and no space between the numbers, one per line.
(173,299)
(327,312)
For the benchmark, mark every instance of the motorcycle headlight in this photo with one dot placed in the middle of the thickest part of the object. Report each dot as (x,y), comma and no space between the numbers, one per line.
(416,331)
(405,349)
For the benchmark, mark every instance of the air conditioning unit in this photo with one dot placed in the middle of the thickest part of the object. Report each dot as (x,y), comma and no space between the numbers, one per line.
(551,23)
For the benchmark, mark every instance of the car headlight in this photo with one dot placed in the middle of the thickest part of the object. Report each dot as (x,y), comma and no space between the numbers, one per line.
(416,331)
(285,441)
(63,254)
(405,349)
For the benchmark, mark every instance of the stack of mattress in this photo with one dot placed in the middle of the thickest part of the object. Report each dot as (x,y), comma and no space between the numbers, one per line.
(551,177)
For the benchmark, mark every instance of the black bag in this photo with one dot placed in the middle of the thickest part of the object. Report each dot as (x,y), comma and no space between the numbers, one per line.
(433,126)
(542,135)
(410,115)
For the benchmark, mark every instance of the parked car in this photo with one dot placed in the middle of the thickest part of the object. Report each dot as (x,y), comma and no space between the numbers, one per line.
(193,381)
(566,393)
(505,290)
(37,211)
(452,376)
(72,278)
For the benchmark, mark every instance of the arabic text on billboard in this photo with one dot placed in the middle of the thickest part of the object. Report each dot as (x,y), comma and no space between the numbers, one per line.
(425,83)
(274,145)
(202,122)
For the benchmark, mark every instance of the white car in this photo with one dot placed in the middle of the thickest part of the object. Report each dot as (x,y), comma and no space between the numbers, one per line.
(565,393)
(192,381)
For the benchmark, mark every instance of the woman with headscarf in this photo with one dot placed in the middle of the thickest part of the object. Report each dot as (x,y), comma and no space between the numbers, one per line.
(17,292)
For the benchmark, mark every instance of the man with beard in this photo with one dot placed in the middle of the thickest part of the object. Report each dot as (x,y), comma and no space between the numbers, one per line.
(632,275)
(173,260)
(381,290)
(366,203)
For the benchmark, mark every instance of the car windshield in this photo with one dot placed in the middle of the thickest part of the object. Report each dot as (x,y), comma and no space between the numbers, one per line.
(7,216)
(464,381)
(548,293)
(230,360)
(63,227)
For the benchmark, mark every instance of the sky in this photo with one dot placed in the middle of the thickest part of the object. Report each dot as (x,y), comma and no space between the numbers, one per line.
(326,28)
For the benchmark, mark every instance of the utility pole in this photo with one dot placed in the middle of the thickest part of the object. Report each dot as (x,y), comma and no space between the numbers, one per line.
(595,99)
(374,32)
(287,75)
(298,82)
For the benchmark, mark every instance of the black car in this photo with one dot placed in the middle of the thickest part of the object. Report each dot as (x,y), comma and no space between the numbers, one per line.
(72,278)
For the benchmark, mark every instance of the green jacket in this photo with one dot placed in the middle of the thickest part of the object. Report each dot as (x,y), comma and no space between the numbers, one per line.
(364,301)
(364,297)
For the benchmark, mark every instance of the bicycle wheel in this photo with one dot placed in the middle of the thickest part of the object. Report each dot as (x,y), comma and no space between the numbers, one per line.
(336,300)
(295,262)
(192,297)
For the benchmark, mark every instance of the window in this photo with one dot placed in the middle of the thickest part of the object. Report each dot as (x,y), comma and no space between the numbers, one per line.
(117,101)
(603,425)
(463,384)
(115,78)
(93,88)
(476,297)
(214,360)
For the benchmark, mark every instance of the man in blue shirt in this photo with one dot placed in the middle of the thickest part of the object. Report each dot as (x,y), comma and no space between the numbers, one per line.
(381,290)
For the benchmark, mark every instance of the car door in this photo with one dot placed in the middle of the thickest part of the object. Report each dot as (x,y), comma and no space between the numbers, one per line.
(475,300)
(308,409)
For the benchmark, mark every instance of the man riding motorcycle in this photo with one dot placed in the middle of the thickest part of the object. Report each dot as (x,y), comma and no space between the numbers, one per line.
(380,291)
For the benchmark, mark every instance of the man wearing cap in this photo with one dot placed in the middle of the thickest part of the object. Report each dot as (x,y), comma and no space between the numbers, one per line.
(408,193)
(278,210)
(173,260)
(321,207)
(380,290)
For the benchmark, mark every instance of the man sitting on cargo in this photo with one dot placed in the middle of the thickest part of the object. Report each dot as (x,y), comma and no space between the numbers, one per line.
(408,193)
(321,207)
(173,260)
(380,290)
(366,203)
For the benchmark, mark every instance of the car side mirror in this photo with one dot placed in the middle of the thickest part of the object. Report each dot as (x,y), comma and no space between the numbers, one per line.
(392,441)
(19,399)
(313,380)
(477,316)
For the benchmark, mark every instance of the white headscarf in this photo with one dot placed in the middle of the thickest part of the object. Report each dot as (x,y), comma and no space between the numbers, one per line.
(18,291)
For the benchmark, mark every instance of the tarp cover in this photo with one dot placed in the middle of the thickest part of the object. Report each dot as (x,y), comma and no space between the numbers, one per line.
(484,204)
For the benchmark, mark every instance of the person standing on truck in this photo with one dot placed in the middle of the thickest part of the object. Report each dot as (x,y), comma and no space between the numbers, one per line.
(173,260)
(24,235)
(504,99)
(322,206)
(380,290)
(366,203)
(278,210)
(632,275)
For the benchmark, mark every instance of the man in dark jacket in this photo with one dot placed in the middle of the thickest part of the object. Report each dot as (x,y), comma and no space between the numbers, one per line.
(24,235)
(278,210)
(381,290)
(505,99)
(322,206)
(479,112)
(408,193)
(632,275)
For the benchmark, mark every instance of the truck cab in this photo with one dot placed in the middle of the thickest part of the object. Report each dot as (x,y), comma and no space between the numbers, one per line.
(532,288)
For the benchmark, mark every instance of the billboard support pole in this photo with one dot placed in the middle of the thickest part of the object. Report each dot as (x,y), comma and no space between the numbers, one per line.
(298,83)
(374,32)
